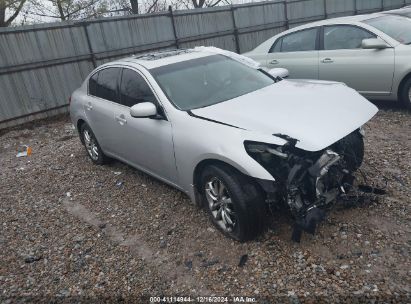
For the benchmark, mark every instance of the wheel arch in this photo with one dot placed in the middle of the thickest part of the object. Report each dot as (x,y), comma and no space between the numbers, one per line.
(217,162)
(80,122)
(402,83)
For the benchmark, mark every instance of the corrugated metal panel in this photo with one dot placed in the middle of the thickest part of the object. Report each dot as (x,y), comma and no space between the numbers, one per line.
(25,47)
(305,9)
(264,14)
(249,41)
(120,34)
(340,7)
(392,4)
(37,90)
(225,42)
(369,5)
(206,22)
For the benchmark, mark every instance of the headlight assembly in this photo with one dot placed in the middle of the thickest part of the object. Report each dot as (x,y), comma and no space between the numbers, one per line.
(257,147)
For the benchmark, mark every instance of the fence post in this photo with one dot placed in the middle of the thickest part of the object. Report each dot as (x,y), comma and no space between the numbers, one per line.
(355,8)
(170,9)
(235,30)
(287,22)
(90,48)
(325,10)
(382,5)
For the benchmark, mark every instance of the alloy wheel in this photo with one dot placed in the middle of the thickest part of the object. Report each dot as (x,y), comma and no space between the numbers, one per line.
(91,145)
(220,204)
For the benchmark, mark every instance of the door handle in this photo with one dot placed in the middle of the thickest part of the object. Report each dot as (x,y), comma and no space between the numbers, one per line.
(327,60)
(89,106)
(121,119)
(274,61)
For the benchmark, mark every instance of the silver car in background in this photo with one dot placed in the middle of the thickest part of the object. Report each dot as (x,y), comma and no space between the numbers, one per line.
(235,138)
(370,53)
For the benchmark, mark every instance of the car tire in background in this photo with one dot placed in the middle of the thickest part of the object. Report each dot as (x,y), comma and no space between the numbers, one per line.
(234,202)
(405,94)
(92,146)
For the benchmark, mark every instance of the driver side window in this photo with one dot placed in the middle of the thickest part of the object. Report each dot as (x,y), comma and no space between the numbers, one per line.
(134,89)
(339,37)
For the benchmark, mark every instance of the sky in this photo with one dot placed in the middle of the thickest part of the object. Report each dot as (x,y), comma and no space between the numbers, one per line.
(27,18)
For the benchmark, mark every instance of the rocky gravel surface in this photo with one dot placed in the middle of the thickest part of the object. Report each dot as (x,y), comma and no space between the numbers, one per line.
(74,231)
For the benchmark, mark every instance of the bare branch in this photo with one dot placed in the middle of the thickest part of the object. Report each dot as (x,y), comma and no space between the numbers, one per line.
(3,6)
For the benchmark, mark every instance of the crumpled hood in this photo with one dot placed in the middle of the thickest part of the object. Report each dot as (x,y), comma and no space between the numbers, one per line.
(315,113)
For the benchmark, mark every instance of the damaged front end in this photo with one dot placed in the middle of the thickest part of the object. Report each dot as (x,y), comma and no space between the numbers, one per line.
(308,182)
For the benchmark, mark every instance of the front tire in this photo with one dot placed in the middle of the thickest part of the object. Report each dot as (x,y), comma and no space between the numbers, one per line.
(92,146)
(234,203)
(405,94)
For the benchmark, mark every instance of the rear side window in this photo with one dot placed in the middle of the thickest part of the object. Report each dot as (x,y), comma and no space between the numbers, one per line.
(134,89)
(305,40)
(104,84)
(340,37)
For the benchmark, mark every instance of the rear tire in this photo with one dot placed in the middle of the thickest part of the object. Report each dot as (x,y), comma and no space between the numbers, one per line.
(405,94)
(240,211)
(92,146)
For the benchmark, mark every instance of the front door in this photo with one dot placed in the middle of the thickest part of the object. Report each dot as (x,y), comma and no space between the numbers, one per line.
(370,72)
(143,142)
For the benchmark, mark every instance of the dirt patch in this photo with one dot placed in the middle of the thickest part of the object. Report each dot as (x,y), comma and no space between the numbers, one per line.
(71,229)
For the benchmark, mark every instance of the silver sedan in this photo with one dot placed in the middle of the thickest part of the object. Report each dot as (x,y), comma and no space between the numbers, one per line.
(237,139)
(370,53)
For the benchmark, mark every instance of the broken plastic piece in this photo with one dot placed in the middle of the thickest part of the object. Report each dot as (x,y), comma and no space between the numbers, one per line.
(27,151)
(119,183)
(243,260)
(308,223)
(373,190)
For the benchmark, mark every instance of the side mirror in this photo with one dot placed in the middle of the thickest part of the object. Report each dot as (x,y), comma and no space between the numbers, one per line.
(279,72)
(143,110)
(373,43)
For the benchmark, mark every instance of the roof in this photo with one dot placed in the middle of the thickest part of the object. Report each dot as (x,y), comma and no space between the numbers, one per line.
(162,54)
(166,57)
(346,19)
(156,59)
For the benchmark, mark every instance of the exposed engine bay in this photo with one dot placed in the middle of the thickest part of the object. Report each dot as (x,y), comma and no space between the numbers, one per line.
(309,182)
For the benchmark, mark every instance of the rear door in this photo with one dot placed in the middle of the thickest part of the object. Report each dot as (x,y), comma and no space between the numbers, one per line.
(297,52)
(102,99)
(342,59)
(145,143)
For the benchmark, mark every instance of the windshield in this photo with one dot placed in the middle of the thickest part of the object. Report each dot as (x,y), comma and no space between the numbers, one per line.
(208,80)
(396,27)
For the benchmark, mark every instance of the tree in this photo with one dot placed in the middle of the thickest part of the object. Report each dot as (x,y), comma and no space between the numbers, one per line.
(11,8)
(209,3)
(134,6)
(68,9)
(147,6)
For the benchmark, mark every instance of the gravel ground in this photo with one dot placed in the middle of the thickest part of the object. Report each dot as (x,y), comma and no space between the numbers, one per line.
(74,230)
